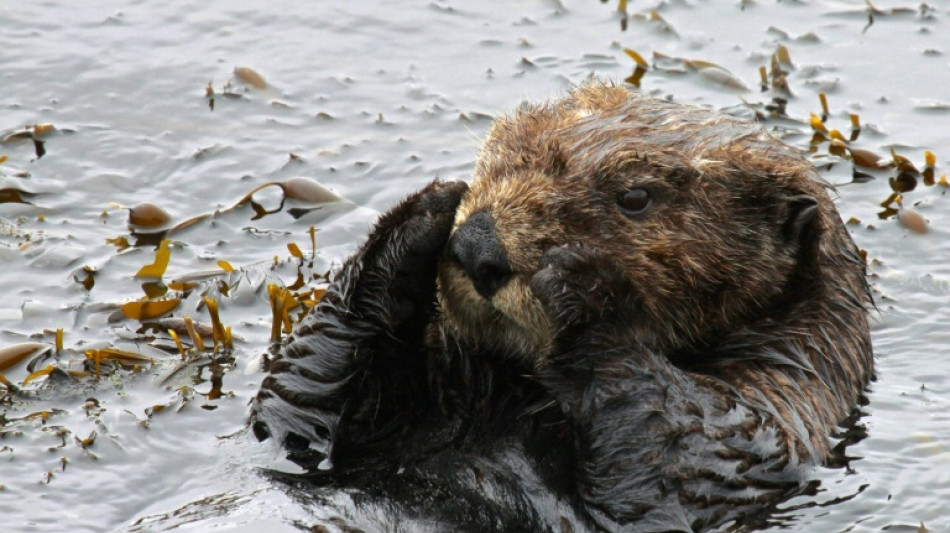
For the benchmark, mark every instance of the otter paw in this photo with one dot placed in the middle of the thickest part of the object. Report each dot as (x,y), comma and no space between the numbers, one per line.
(408,238)
(579,285)
(395,270)
(431,215)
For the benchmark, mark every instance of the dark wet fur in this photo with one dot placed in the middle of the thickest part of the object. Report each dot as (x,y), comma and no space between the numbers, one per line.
(433,416)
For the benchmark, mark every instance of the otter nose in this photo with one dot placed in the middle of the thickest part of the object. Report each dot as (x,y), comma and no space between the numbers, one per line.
(475,246)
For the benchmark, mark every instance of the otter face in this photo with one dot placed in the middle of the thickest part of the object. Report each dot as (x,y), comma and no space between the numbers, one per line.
(709,217)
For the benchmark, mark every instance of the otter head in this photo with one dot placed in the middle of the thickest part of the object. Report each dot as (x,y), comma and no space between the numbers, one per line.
(714,222)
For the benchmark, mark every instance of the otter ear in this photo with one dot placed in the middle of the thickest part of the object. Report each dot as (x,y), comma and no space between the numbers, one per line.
(801,222)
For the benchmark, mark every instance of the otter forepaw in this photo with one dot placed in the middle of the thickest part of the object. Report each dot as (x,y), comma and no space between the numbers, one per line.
(408,238)
(579,285)
(431,213)
(394,272)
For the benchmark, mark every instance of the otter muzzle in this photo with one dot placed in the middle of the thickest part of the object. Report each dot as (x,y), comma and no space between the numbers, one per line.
(476,247)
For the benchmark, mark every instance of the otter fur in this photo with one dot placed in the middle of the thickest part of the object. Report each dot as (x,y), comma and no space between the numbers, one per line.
(640,316)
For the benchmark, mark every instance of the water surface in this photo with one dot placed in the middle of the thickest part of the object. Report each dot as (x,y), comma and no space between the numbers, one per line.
(373,100)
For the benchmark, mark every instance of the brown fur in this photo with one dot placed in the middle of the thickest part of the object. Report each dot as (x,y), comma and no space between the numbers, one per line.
(674,369)
(718,283)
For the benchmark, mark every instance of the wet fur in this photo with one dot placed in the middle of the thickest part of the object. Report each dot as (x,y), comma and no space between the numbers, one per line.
(667,371)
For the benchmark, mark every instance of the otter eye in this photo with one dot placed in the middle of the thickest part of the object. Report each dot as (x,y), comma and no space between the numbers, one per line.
(634,201)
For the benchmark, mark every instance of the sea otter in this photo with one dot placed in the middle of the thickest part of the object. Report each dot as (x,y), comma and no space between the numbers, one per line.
(640,316)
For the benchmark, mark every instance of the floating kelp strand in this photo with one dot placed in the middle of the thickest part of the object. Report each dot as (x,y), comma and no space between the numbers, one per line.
(836,135)
(654,18)
(640,68)
(705,69)
(13,355)
(30,133)
(219,334)
(903,182)
(308,190)
(294,250)
(114,354)
(147,310)
(196,340)
(817,124)
(174,336)
(15,195)
(282,301)
(622,13)
(85,276)
(313,241)
(187,224)
(903,164)
(930,161)
(157,268)
(181,285)
(782,59)
(855,127)
(119,242)
(39,373)
(837,146)
(209,94)
(7,384)
(154,289)
(824,106)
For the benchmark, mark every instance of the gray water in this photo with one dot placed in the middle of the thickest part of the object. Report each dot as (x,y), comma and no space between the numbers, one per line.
(373,100)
